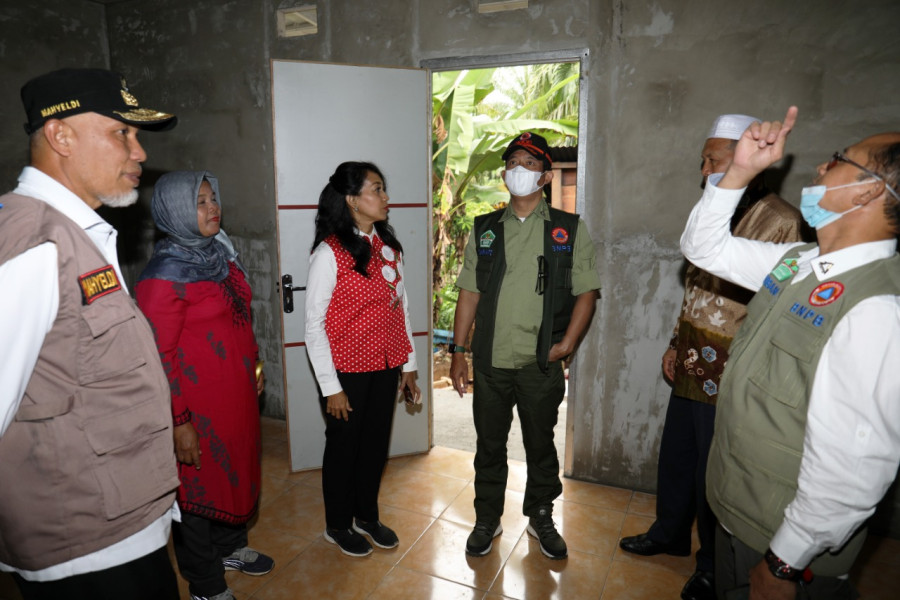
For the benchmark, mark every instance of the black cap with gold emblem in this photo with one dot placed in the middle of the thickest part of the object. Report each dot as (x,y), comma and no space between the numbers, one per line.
(69,92)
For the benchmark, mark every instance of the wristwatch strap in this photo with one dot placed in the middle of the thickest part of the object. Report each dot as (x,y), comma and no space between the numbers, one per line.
(453,348)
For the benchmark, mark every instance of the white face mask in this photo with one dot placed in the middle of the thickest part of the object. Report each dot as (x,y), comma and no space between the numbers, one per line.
(522,182)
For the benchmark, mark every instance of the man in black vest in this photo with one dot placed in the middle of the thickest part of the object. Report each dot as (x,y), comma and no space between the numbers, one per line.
(529,284)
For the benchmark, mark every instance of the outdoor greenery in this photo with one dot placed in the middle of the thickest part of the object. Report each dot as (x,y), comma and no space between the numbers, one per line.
(476,114)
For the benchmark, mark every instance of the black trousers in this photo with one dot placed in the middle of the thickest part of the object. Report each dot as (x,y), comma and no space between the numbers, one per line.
(200,544)
(147,578)
(536,395)
(681,479)
(356,450)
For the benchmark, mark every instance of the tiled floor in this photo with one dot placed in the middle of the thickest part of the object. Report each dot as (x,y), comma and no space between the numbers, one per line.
(427,499)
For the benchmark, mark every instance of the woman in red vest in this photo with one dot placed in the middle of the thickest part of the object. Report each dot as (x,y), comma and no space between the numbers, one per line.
(359,341)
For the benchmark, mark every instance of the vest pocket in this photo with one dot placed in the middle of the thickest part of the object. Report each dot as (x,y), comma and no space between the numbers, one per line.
(780,373)
(759,481)
(112,343)
(135,461)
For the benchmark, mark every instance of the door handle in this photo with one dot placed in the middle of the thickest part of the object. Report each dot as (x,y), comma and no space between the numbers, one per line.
(287,292)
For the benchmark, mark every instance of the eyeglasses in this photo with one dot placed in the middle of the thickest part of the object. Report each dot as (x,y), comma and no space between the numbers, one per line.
(838,157)
(541,276)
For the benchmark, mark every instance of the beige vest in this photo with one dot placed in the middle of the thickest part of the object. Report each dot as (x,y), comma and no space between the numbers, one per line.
(89,458)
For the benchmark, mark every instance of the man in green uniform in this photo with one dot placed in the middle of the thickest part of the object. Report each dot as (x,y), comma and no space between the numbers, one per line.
(529,284)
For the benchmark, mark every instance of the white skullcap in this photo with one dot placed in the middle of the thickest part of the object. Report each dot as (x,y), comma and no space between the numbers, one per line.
(730,127)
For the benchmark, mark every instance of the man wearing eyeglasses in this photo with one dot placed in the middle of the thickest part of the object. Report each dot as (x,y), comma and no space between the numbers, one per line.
(529,284)
(807,436)
(712,312)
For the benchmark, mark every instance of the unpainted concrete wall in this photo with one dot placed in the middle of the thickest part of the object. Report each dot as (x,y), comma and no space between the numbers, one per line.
(659,72)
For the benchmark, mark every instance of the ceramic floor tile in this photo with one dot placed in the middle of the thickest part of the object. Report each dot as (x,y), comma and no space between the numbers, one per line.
(444,461)
(419,491)
(528,574)
(409,527)
(322,571)
(299,511)
(595,494)
(441,552)
(637,524)
(589,529)
(634,581)
(643,504)
(272,487)
(403,584)
(462,510)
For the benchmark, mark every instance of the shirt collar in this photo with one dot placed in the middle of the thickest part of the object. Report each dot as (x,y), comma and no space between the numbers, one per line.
(37,184)
(542,211)
(828,266)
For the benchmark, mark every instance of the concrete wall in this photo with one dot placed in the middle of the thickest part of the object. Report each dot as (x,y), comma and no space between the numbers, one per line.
(660,71)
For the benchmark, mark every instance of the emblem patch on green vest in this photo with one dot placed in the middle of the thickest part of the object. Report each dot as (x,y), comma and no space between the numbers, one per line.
(786,269)
(487,238)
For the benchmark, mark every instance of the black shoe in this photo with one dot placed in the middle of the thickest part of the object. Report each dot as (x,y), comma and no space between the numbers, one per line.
(350,542)
(701,586)
(544,529)
(643,545)
(481,540)
(381,536)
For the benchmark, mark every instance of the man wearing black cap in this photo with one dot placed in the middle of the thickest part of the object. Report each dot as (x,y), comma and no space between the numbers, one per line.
(529,284)
(87,467)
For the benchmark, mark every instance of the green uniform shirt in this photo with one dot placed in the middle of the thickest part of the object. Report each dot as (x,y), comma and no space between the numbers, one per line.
(520,308)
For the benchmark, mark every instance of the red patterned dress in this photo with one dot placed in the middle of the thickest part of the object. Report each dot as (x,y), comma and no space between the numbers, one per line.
(208,350)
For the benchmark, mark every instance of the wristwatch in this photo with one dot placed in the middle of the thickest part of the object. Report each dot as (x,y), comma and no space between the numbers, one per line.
(453,348)
(782,570)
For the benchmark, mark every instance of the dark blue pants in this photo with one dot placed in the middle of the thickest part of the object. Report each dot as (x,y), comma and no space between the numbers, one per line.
(681,479)
(356,450)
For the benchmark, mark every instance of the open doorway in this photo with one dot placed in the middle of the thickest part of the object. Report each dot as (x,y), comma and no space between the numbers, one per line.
(476,113)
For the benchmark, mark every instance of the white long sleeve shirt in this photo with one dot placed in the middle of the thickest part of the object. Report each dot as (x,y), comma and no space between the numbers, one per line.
(27,312)
(320,284)
(851,448)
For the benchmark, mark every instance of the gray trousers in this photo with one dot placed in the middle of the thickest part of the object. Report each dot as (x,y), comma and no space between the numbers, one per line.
(734,559)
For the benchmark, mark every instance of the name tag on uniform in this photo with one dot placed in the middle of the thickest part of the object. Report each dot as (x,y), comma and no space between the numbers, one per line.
(99,283)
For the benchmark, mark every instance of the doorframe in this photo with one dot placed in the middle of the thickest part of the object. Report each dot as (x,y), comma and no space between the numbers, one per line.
(582,56)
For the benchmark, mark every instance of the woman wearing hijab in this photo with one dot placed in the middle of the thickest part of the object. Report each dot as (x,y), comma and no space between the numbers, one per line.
(195,294)
(359,341)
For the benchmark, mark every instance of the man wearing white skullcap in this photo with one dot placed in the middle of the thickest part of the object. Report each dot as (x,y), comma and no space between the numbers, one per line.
(712,311)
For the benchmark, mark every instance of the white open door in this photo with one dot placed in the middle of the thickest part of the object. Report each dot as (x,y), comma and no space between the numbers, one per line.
(325,114)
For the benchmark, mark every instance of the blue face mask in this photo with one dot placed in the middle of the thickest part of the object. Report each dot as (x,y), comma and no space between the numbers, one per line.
(816,216)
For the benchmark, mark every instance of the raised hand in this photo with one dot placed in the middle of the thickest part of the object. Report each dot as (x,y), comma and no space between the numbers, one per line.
(761,146)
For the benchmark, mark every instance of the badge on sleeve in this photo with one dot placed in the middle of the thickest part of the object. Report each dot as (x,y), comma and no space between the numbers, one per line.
(98,283)
(826,293)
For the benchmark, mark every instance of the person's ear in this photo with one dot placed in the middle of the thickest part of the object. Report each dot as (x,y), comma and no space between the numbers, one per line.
(352,203)
(58,136)
(546,178)
(871,192)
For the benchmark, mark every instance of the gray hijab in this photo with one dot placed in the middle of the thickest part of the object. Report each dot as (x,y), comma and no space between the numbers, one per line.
(186,256)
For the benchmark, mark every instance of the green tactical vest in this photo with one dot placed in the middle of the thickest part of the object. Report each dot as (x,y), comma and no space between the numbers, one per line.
(755,457)
(558,299)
